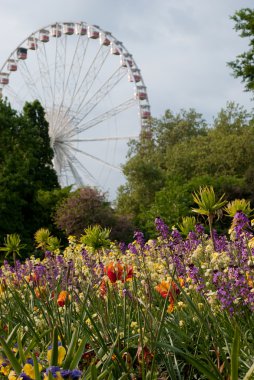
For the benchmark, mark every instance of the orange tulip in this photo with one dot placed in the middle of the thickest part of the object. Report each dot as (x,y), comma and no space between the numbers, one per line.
(116,272)
(62,298)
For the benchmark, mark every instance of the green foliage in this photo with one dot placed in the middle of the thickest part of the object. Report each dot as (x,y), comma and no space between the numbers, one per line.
(12,245)
(238,205)
(243,66)
(207,202)
(187,225)
(88,207)
(208,205)
(182,155)
(96,237)
(45,241)
(25,168)
(41,238)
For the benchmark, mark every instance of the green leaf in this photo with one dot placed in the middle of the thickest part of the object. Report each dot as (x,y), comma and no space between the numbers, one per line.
(205,370)
(36,367)
(54,354)
(249,373)
(21,350)
(71,349)
(13,360)
(94,372)
(235,355)
(78,354)
(13,332)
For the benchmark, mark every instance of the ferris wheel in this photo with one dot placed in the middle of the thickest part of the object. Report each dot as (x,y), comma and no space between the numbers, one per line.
(93,94)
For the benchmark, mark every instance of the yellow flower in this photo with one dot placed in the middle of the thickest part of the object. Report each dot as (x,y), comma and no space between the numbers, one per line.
(61,354)
(28,369)
(12,375)
(5,370)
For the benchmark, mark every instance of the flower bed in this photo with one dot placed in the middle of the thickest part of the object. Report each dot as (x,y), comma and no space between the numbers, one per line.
(172,307)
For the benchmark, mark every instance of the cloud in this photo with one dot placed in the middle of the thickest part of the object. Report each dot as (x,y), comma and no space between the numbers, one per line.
(182,47)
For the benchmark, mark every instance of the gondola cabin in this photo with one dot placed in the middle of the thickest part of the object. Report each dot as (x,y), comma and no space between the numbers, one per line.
(104,40)
(4,78)
(68,29)
(134,76)
(116,48)
(56,30)
(32,43)
(80,29)
(141,93)
(12,65)
(92,32)
(145,112)
(22,53)
(125,60)
(44,35)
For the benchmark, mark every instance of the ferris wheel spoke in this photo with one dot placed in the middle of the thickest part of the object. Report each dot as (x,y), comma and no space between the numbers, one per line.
(93,157)
(79,96)
(86,171)
(59,79)
(18,99)
(113,138)
(93,102)
(59,70)
(45,79)
(74,74)
(91,74)
(105,116)
(29,81)
(75,173)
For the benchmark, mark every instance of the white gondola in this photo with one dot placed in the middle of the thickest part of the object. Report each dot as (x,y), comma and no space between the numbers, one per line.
(4,78)
(126,59)
(141,93)
(68,28)
(56,30)
(92,32)
(145,112)
(80,29)
(134,76)
(116,48)
(32,43)
(104,40)
(44,35)
(22,53)
(12,65)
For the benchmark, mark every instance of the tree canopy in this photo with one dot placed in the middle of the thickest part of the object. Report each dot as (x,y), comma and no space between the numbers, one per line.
(243,66)
(182,154)
(25,168)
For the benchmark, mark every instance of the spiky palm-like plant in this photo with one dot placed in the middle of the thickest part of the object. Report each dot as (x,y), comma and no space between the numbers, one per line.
(187,225)
(96,237)
(12,245)
(208,205)
(42,237)
(238,205)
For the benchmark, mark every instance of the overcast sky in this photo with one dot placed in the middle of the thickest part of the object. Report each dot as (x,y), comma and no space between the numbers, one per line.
(181,46)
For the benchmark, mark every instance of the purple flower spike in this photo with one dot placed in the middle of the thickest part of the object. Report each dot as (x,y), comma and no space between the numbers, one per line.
(161,227)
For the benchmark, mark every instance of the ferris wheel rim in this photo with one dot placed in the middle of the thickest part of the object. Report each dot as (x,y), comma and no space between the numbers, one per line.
(131,68)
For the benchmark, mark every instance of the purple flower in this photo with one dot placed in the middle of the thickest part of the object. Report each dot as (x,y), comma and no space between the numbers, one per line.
(161,227)
(139,237)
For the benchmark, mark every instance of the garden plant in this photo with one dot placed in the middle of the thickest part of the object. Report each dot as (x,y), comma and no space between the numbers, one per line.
(176,307)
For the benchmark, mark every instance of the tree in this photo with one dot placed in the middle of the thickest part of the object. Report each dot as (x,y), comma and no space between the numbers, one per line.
(243,66)
(182,155)
(87,207)
(25,168)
